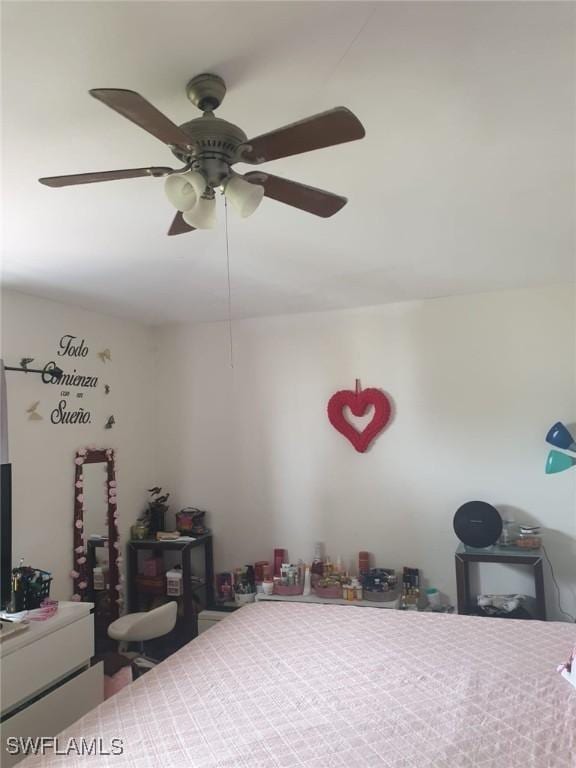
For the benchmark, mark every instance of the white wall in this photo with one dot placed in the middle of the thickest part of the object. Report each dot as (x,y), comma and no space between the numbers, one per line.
(476,382)
(42,453)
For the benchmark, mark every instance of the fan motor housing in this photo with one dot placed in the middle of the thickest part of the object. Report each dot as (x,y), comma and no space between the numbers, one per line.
(215,144)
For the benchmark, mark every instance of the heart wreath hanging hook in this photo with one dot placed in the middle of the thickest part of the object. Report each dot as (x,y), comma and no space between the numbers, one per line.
(359,401)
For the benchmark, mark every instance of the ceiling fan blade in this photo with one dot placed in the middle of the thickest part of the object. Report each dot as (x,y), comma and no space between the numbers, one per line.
(90,178)
(179,226)
(326,129)
(309,199)
(131,105)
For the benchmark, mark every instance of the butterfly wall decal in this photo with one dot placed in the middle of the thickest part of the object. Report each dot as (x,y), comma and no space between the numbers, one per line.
(33,415)
(104,355)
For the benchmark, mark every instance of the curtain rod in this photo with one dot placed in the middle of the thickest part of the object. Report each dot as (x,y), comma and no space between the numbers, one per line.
(56,373)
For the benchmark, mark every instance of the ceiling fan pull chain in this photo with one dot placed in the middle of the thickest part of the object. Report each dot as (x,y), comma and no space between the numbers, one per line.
(230,334)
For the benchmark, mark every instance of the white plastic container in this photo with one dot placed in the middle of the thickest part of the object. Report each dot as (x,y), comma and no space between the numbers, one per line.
(307,582)
(174,583)
(99,578)
(244,598)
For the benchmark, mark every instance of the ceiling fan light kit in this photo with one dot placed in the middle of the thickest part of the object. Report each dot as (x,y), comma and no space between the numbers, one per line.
(244,196)
(203,215)
(184,190)
(209,146)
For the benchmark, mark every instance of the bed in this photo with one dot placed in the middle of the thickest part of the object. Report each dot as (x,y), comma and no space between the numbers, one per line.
(287,685)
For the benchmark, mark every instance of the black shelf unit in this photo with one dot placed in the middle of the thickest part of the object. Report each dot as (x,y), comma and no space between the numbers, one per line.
(100,598)
(197,589)
(502,555)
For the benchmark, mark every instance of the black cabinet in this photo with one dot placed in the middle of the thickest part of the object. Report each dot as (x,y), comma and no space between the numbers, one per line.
(196,559)
(502,555)
(103,613)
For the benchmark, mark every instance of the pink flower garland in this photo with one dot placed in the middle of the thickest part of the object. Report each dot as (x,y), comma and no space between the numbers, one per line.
(78,572)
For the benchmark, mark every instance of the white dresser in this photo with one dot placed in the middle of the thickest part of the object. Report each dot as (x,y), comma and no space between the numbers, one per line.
(46,682)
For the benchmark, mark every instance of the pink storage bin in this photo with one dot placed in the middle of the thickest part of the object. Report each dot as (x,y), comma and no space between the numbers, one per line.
(153,566)
(381,597)
(332,593)
(288,591)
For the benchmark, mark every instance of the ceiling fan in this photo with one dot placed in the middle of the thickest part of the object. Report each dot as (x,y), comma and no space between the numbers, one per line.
(209,147)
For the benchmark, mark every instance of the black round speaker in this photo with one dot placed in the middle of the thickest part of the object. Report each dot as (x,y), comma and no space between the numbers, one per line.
(478,524)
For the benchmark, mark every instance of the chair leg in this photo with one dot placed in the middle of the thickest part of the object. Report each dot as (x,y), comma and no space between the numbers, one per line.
(141,665)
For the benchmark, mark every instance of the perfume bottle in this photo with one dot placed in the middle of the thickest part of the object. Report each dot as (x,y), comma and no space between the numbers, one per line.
(317,568)
(507,537)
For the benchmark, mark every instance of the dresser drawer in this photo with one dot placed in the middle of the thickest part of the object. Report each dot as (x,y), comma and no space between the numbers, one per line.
(54,712)
(41,664)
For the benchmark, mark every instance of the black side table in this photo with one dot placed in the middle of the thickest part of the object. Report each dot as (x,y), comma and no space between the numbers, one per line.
(101,599)
(189,626)
(503,555)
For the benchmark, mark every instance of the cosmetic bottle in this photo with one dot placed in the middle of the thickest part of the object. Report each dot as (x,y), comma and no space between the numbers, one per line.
(174,582)
(357,586)
(307,582)
(98,578)
(280,556)
(317,568)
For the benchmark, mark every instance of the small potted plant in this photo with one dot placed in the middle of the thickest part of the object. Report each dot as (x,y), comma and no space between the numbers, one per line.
(157,509)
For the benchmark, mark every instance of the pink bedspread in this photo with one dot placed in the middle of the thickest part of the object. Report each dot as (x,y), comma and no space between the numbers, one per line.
(287,685)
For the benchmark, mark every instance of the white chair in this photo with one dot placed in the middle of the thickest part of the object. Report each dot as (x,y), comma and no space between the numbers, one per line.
(148,625)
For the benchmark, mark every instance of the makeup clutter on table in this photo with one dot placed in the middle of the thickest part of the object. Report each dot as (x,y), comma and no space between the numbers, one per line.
(152,523)
(30,599)
(30,588)
(327,579)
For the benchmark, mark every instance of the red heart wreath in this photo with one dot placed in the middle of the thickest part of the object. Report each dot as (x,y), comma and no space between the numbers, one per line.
(359,402)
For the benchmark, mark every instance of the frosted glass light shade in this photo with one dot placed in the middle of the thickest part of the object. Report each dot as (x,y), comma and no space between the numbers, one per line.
(243,196)
(202,215)
(183,190)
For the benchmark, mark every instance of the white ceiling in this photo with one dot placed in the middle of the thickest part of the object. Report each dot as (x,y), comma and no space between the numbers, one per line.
(464,182)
